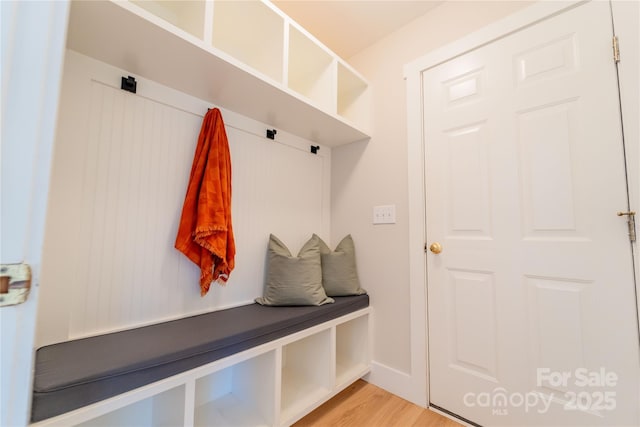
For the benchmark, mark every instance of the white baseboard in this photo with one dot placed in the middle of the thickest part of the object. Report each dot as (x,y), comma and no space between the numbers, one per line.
(399,383)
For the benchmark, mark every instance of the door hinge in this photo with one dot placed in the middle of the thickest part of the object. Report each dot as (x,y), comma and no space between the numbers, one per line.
(631,223)
(616,50)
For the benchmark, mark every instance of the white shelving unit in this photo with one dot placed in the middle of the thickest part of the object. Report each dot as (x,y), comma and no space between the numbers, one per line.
(274,384)
(245,56)
(250,58)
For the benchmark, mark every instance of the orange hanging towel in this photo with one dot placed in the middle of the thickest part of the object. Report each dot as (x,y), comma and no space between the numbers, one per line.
(205,234)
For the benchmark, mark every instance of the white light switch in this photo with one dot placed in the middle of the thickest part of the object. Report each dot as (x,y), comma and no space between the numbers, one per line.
(384,214)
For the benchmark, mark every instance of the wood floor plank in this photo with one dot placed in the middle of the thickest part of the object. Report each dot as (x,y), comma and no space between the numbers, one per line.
(351,407)
(365,405)
(397,412)
(431,419)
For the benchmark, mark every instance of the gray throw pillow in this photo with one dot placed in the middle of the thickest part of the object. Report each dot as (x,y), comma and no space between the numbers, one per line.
(339,273)
(294,280)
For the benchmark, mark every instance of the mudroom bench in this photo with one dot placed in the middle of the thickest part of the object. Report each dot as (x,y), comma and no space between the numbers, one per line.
(250,365)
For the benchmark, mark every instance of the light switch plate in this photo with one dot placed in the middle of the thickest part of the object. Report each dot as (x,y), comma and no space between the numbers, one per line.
(385,214)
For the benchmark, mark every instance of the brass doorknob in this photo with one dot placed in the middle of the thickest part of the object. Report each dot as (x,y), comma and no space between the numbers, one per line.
(436,248)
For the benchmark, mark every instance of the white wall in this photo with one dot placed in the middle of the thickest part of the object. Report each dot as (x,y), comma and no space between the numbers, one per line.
(366,174)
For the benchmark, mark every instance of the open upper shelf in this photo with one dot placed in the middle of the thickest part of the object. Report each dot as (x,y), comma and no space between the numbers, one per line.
(252,33)
(247,57)
(183,14)
(311,70)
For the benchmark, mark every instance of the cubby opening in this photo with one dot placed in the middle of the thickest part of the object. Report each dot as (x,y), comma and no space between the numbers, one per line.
(188,15)
(162,410)
(252,33)
(307,376)
(352,350)
(240,395)
(311,71)
(353,102)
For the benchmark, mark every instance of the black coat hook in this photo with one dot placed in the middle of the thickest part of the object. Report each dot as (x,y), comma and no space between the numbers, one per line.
(315,148)
(129,84)
(271,133)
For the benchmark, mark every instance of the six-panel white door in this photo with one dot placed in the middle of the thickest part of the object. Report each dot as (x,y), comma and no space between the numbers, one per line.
(531,307)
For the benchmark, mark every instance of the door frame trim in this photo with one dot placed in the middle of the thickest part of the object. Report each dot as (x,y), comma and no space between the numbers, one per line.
(626,16)
(415,160)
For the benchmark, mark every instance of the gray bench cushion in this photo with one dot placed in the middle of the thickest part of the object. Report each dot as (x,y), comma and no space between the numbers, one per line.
(76,373)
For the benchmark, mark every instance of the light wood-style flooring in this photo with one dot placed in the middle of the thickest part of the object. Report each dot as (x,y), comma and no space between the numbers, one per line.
(365,405)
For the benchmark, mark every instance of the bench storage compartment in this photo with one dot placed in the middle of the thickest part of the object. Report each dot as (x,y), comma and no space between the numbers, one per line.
(236,358)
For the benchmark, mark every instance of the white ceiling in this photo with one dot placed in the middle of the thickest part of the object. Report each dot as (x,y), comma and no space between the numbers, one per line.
(348,26)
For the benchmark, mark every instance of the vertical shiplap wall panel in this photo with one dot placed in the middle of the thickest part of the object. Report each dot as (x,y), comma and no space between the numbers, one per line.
(120,174)
(130,206)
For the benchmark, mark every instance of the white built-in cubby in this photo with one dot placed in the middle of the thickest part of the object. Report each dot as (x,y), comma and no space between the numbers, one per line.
(163,409)
(352,356)
(307,373)
(251,32)
(238,395)
(274,384)
(246,56)
(353,97)
(311,71)
(184,14)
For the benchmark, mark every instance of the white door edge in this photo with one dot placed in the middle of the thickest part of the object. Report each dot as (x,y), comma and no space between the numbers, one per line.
(33,40)
(626,15)
(629,24)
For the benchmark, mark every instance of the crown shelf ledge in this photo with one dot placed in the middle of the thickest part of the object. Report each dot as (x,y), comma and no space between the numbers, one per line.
(190,47)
